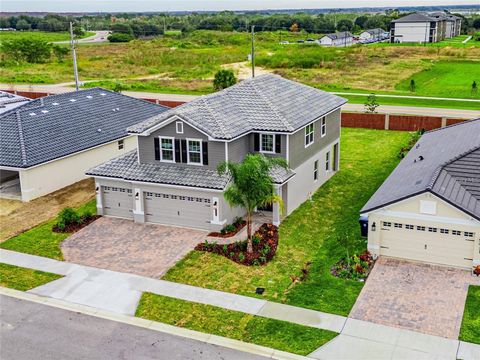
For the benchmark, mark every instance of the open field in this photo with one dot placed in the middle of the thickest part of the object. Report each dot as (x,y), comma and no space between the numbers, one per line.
(309,237)
(187,63)
(23,279)
(209,319)
(40,35)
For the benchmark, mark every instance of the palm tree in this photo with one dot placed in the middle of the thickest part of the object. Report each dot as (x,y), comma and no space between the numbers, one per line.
(251,185)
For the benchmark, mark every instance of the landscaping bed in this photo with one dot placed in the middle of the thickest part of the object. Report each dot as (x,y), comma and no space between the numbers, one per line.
(264,241)
(230,230)
(74,227)
(356,267)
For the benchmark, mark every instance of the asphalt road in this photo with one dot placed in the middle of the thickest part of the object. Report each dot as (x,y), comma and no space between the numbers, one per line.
(33,331)
(100,36)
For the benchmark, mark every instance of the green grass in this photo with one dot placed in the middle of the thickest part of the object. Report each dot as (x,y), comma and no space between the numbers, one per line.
(40,35)
(23,279)
(445,79)
(453,42)
(272,333)
(155,86)
(41,240)
(310,234)
(470,330)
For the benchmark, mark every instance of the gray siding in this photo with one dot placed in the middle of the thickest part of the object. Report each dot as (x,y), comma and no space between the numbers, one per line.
(298,153)
(283,148)
(237,149)
(146,147)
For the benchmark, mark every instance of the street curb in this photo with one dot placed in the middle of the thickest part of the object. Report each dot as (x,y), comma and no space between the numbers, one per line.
(153,325)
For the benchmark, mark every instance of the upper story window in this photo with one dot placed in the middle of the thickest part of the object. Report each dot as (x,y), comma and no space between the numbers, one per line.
(179,127)
(309,134)
(167,149)
(267,143)
(194,151)
(323,126)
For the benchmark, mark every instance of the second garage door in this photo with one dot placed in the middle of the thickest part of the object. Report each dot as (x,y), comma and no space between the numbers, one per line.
(444,246)
(118,202)
(179,210)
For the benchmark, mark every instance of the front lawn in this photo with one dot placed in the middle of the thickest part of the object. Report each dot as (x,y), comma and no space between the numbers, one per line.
(41,240)
(309,236)
(23,279)
(470,330)
(272,333)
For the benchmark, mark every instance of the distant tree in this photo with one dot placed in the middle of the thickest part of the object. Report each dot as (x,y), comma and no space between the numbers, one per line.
(371,104)
(224,79)
(60,52)
(294,27)
(78,30)
(345,25)
(474,88)
(122,28)
(361,20)
(22,25)
(476,23)
(29,50)
(412,85)
(119,37)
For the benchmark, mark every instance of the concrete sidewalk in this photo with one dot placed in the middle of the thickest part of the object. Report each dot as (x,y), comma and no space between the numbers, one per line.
(120,292)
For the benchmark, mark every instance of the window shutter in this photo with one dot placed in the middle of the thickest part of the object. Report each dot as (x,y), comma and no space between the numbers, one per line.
(178,151)
(278,144)
(184,151)
(205,152)
(256,142)
(157,148)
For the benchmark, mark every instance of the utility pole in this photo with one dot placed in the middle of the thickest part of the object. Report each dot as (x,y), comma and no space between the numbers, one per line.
(253,51)
(74,56)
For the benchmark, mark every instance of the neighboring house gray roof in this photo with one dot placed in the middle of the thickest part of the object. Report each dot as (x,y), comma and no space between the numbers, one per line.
(126,167)
(415,17)
(450,169)
(10,101)
(443,16)
(264,103)
(59,125)
(339,35)
(376,31)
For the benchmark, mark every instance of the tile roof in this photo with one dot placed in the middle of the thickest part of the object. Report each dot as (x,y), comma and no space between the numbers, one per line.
(9,101)
(126,167)
(415,17)
(445,162)
(59,125)
(264,103)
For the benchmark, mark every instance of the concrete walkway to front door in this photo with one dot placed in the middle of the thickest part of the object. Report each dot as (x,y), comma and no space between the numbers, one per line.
(120,292)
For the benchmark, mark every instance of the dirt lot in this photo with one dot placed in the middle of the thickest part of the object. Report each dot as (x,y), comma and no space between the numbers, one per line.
(17,217)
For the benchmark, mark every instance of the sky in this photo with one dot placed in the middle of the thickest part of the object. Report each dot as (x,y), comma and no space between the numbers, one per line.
(195,5)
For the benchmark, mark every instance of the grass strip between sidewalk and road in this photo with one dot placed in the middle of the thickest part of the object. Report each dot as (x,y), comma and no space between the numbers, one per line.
(281,335)
(24,279)
(470,330)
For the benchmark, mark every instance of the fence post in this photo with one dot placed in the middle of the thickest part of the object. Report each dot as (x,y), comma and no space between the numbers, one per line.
(387,121)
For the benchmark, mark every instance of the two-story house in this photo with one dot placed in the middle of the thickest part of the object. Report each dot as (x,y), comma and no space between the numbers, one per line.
(171,178)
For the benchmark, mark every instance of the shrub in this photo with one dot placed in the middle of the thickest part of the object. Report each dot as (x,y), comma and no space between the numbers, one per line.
(241,257)
(224,79)
(120,37)
(228,229)
(238,221)
(66,217)
(256,239)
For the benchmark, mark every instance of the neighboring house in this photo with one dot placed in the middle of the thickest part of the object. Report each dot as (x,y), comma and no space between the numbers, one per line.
(428,209)
(48,143)
(372,34)
(172,178)
(10,101)
(424,27)
(343,38)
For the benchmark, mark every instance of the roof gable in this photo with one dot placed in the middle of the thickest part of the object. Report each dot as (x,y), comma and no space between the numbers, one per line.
(263,103)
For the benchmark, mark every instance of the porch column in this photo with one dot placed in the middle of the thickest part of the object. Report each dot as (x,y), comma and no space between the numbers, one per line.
(98,192)
(138,200)
(276,207)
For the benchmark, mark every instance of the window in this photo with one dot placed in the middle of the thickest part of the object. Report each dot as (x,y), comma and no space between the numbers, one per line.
(387,224)
(409,227)
(179,126)
(327,161)
(421,228)
(120,144)
(444,231)
(194,152)
(398,226)
(468,234)
(323,126)
(315,170)
(167,151)
(456,232)
(309,134)
(267,143)
(432,229)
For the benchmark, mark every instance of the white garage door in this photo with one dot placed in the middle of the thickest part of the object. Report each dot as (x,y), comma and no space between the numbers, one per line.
(179,210)
(117,202)
(447,246)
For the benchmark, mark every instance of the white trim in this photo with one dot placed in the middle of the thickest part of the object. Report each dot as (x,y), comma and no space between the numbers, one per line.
(260,142)
(64,156)
(201,152)
(287,148)
(176,127)
(429,218)
(324,118)
(305,135)
(167,121)
(226,151)
(173,148)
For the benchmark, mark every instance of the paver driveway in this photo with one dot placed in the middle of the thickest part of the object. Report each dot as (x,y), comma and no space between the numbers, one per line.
(122,245)
(420,297)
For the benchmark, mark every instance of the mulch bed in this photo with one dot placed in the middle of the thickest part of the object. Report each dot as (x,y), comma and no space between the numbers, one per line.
(71,228)
(264,247)
(238,227)
(359,269)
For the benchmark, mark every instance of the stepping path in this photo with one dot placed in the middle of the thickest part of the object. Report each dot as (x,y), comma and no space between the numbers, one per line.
(120,292)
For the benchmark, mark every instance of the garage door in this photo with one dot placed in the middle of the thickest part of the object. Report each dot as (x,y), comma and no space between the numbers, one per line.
(446,246)
(118,202)
(170,209)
